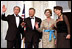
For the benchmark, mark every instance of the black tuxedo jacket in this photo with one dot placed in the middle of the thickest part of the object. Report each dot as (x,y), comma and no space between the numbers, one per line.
(13,31)
(30,34)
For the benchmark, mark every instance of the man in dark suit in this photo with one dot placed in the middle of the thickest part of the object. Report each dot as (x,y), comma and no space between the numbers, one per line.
(14,26)
(31,35)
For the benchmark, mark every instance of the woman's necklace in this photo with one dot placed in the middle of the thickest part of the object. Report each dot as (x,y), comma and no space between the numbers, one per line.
(60,18)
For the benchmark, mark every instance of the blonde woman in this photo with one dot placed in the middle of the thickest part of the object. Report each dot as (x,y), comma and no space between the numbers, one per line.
(48,38)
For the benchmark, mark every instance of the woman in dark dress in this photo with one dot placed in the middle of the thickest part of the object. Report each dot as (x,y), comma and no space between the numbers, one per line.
(63,29)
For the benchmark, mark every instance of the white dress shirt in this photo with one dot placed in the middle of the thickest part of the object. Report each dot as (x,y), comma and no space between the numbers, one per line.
(17,20)
(33,22)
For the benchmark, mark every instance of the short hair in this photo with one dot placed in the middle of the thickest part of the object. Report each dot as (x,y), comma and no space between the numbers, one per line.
(48,10)
(32,9)
(17,7)
(59,8)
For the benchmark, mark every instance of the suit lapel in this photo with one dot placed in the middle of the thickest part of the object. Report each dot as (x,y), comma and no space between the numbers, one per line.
(14,20)
(35,19)
(35,22)
(19,20)
(30,25)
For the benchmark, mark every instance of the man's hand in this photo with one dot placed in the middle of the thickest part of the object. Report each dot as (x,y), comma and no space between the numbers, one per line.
(68,36)
(36,25)
(23,24)
(23,39)
(4,8)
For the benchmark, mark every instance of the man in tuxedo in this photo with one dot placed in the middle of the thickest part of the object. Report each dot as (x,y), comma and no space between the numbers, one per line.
(31,35)
(14,26)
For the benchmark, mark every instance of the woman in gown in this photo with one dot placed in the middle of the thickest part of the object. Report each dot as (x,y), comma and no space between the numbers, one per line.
(46,25)
(63,29)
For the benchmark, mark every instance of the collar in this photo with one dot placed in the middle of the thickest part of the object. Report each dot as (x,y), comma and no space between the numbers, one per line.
(15,15)
(32,17)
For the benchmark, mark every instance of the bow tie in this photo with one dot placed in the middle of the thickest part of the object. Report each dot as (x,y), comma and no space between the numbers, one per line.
(17,16)
(31,18)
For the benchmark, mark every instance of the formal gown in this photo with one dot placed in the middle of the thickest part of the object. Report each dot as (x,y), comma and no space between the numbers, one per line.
(45,25)
(62,32)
